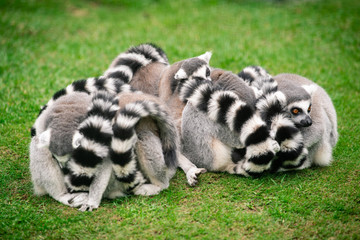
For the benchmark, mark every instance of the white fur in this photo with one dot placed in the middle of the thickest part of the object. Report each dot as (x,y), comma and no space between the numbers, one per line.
(231,114)
(90,85)
(197,95)
(44,139)
(122,68)
(180,74)
(136,57)
(206,57)
(311,89)
(120,146)
(99,149)
(250,126)
(126,121)
(77,139)
(201,73)
(125,170)
(214,105)
(190,169)
(304,105)
(222,155)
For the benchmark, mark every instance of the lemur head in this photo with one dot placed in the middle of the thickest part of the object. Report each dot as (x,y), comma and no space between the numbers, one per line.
(60,144)
(299,105)
(197,67)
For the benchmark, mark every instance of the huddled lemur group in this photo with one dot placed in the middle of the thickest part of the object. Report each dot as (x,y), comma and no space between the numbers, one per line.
(126,132)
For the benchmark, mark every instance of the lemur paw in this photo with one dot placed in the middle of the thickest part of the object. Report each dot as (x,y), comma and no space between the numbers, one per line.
(192,175)
(78,199)
(276,146)
(87,207)
(148,190)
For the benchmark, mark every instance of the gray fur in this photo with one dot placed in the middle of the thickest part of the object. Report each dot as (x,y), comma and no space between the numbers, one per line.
(198,135)
(63,119)
(210,145)
(321,137)
(46,174)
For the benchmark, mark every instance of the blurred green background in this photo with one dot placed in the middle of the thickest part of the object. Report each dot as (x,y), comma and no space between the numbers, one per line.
(45,45)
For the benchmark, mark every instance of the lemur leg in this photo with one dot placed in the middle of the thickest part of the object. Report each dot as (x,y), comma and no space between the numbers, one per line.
(147,190)
(190,169)
(48,178)
(98,186)
(323,154)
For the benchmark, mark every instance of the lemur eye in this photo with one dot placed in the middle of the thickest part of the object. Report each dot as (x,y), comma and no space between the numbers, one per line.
(207,72)
(295,110)
(309,109)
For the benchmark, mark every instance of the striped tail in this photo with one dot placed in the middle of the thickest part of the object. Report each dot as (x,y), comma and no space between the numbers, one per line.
(115,78)
(272,108)
(122,151)
(91,141)
(226,108)
(127,64)
(90,86)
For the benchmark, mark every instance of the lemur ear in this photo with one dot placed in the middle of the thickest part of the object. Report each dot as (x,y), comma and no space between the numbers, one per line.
(181,74)
(44,139)
(206,57)
(77,139)
(311,89)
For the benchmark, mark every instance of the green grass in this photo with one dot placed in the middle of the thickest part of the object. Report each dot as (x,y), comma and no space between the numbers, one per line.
(45,45)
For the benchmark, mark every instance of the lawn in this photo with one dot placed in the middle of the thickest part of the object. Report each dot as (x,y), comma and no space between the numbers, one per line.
(45,45)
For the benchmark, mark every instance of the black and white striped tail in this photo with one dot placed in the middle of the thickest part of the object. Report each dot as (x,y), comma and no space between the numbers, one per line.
(226,108)
(90,86)
(271,105)
(91,141)
(128,63)
(122,151)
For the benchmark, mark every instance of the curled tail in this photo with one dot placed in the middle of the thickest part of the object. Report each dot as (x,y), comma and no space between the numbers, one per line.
(122,152)
(91,141)
(89,86)
(115,78)
(128,63)
(225,107)
(271,105)
(259,79)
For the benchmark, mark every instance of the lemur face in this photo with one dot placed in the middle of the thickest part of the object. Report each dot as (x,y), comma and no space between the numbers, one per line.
(300,113)
(197,67)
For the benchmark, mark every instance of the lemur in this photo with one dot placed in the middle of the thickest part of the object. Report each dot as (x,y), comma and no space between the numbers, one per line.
(115,80)
(51,148)
(272,106)
(313,112)
(222,129)
(161,79)
(113,84)
(88,150)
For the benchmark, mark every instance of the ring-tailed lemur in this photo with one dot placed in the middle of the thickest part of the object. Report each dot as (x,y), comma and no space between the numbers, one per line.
(78,134)
(161,79)
(52,148)
(314,114)
(113,85)
(88,165)
(231,126)
(115,79)
(143,118)
(272,105)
